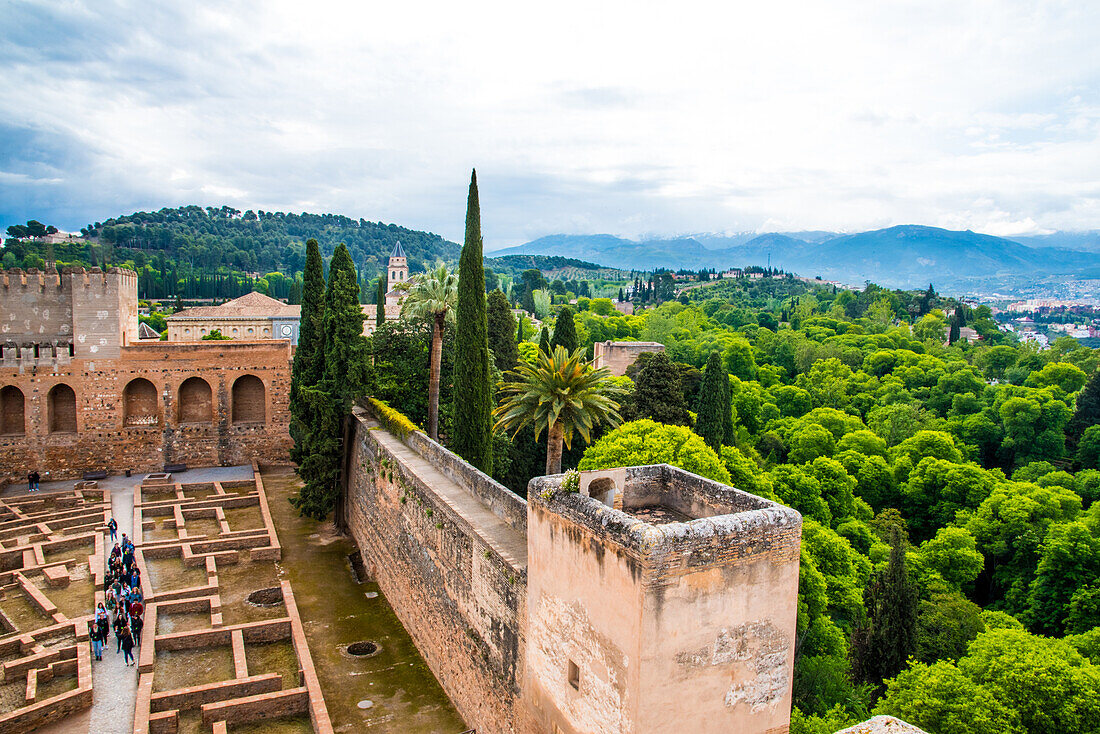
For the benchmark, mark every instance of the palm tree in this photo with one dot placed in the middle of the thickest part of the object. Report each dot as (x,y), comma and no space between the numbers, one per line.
(432,295)
(562,394)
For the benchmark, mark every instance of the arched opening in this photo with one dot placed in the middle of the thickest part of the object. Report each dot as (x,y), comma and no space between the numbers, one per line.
(196,404)
(62,409)
(249,400)
(603,490)
(139,403)
(12,411)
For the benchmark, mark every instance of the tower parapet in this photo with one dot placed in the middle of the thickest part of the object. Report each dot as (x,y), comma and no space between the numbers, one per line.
(658,600)
(83,313)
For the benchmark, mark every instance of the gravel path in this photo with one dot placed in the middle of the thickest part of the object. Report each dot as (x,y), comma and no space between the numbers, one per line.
(115,684)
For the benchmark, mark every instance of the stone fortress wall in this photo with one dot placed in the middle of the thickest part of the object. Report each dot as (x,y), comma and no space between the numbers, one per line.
(78,392)
(454,568)
(652,600)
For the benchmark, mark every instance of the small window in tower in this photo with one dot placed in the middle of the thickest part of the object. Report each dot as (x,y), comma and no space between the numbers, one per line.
(574,676)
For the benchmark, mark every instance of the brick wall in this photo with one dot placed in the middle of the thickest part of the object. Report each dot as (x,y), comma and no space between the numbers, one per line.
(462,602)
(151,434)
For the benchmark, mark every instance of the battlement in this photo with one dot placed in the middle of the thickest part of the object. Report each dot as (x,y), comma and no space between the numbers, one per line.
(68,279)
(653,510)
(78,312)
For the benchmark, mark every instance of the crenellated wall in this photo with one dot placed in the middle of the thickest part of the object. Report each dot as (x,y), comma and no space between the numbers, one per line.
(92,311)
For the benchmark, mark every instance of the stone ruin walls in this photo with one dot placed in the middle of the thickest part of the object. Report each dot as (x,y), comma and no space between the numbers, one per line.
(199,403)
(210,658)
(652,600)
(51,565)
(223,642)
(659,601)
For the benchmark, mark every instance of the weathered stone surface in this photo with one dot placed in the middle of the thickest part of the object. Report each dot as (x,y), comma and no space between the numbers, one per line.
(617,356)
(882,725)
(453,569)
(186,428)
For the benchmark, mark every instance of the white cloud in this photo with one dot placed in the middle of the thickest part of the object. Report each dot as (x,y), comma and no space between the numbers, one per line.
(615,117)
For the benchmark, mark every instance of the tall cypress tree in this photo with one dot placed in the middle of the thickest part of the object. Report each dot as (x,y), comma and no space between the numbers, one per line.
(345,363)
(344,378)
(472,394)
(380,305)
(544,340)
(502,327)
(728,435)
(309,354)
(529,298)
(713,402)
(1088,410)
(519,330)
(880,649)
(565,331)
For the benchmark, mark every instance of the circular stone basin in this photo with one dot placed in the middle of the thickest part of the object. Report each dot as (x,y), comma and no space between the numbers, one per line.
(365,704)
(266,597)
(363,649)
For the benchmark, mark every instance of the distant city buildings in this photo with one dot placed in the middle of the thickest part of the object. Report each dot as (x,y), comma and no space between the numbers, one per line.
(1047,305)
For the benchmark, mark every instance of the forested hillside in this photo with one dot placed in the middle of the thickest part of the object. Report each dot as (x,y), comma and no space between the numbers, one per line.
(216,253)
(950,570)
(197,252)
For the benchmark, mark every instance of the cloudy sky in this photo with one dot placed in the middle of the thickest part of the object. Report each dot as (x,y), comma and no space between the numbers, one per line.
(632,118)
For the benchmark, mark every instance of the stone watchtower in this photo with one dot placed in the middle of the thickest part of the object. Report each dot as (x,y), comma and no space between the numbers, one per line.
(659,601)
(398,272)
(52,317)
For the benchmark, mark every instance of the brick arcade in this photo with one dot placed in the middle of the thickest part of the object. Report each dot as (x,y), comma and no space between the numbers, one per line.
(79,392)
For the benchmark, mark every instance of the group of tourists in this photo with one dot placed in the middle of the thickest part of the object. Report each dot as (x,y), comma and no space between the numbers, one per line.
(34,481)
(125,603)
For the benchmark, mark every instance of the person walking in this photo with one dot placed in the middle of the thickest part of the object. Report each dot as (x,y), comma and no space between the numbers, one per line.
(136,625)
(127,643)
(113,527)
(33,479)
(103,628)
(119,625)
(99,631)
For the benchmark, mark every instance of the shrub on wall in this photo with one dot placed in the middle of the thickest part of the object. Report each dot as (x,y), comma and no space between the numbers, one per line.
(394,420)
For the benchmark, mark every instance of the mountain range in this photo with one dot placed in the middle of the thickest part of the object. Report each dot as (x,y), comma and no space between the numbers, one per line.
(906,256)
